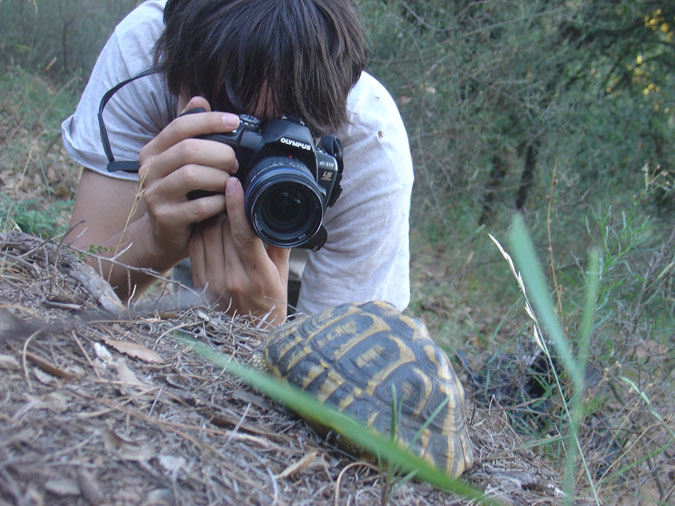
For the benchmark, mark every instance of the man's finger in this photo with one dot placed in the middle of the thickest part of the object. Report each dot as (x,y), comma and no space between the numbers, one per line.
(188,152)
(213,251)
(280,258)
(187,126)
(196,103)
(245,240)
(197,258)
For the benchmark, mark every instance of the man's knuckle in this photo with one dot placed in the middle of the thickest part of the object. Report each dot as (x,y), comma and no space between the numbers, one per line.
(144,154)
(188,175)
(201,207)
(173,128)
(145,169)
(150,196)
(241,238)
(187,149)
(234,285)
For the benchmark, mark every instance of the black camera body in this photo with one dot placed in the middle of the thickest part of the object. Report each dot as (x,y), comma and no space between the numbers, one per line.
(288,181)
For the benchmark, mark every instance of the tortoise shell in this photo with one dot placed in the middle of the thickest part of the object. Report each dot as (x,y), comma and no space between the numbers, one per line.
(357,357)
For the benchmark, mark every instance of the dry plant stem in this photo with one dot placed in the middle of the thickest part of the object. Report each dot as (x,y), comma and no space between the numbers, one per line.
(347,468)
(47,367)
(118,246)
(655,477)
(84,352)
(23,358)
(67,233)
(23,171)
(79,271)
(556,287)
(175,428)
(669,494)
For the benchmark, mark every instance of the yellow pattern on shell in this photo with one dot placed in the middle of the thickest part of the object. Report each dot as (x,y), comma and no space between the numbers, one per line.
(406,356)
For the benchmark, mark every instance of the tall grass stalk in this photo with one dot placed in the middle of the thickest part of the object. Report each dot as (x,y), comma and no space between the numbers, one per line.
(538,304)
(311,409)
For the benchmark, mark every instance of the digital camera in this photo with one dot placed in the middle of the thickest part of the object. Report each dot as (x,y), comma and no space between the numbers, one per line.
(288,181)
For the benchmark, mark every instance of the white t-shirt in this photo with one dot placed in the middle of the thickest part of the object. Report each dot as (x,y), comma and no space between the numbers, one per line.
(366,256)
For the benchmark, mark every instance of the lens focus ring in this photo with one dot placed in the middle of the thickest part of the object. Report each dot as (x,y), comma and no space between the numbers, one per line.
(283,203)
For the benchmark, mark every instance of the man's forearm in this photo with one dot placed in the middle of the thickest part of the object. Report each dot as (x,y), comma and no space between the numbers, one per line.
(133,260)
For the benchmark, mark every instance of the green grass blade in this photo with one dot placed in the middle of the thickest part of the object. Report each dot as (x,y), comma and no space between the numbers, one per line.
(649,404)
(590,300)
(533,277)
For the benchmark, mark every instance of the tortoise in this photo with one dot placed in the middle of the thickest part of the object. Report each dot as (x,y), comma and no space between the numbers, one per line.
(350,357)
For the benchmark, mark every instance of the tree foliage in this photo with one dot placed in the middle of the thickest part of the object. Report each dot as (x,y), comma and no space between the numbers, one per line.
(497,94)
(62,37)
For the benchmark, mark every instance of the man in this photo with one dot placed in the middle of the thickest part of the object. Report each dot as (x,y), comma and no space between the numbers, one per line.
(261,57)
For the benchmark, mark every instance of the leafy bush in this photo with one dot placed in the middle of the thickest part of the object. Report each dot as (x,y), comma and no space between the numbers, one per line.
(29,217)
(562,111)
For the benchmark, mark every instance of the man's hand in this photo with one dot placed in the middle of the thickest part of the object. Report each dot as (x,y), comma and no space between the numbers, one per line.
(175,163)
(239,272)
(154,232)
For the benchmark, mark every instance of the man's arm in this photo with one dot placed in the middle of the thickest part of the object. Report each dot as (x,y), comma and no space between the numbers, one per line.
(148,224)
(152,224)
(105,221)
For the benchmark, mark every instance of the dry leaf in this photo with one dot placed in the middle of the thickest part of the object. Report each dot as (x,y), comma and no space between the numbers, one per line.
(649,349)
(125,449)
(89,487)
(57,402)
(102,353)
(301,464)
(8,362)
(127,376)
(135,350)
(171,462)
(43,377)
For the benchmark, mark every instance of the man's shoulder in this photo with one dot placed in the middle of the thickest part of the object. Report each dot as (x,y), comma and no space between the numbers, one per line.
(372,113)
(147,18)
(369,97)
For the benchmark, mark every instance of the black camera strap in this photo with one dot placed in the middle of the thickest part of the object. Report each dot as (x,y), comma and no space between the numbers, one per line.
(114,165)
(332,145)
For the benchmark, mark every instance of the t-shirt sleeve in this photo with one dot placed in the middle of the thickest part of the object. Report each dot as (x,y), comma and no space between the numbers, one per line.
(366,256)
(137,112)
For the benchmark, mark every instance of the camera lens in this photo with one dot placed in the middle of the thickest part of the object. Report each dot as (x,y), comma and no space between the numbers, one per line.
(283,202)
(285,210)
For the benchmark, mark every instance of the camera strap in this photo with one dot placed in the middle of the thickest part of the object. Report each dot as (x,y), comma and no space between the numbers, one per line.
(333,146)
(115,165)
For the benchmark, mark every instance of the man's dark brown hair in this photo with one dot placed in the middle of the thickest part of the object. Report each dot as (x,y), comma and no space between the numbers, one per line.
(297,57)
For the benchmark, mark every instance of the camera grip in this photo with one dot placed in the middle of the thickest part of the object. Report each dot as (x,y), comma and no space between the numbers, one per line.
(196,194)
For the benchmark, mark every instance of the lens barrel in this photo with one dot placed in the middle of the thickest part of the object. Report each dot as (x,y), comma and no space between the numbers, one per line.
(283,202)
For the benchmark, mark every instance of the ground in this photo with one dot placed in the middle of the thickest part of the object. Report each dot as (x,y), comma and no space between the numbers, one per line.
(103,405)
